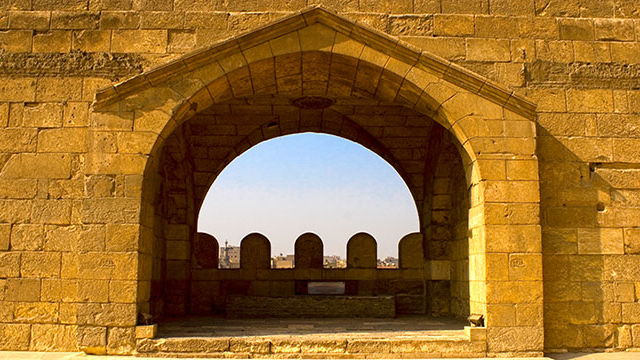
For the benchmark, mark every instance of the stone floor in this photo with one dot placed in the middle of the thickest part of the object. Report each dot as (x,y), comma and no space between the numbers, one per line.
(405,326)
(81,356)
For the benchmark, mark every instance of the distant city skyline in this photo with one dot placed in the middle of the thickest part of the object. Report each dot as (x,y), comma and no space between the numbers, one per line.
(309,182)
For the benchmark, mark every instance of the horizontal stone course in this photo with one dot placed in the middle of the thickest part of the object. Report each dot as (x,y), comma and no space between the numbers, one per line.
(310,306)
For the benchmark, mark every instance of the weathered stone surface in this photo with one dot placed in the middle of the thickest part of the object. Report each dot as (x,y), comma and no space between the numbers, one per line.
(83,193)
(308,252)
(583,75)
(77,63)
(53,337)
(361,251)
(14,336)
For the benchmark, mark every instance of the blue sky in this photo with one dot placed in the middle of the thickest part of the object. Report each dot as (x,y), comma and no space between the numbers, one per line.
(309,182)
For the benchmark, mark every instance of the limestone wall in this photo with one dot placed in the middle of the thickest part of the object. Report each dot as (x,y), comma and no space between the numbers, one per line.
(71,271)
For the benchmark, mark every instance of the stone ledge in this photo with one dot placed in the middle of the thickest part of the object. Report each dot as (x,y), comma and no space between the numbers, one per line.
(309,306)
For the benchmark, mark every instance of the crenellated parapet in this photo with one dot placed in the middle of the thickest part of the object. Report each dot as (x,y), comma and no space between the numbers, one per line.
(362,248)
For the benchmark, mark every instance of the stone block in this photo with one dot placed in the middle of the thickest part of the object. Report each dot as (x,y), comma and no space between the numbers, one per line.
(105,266)
(29,20)
(53,338)
(495,27)
(614,29)
(589,101)
(124,164)
(476,333)
(181,40)
(122,237)
(594,52)
(450,48)
(514,292)
(52,41)
(74,238)
(42,115)
(465,6)
(5,236)
(488,50)
(92,339)
(18,189)
(362,251)
(410,251)
(600,241)
(92,40)
(139,41)
(12,211)
(146,331)
(631,313)
(240,345)
(14,336)
(16,41)
(64,5)
(308,252)
(453,25)
(40,265)
(93,291)
(27,237)
(76,20)
(119,20)
(108,315)
(9,264)
(323,346)
(576,29)
(206,250)
(525,267)
(62,140)
(23,290)
(36,312)
(136,142)
(632,241)
(57,290)
(59,89)
(122,291)
(504,339)
(501,315)
(17,89)
(529,314)
(255,252)
(57,212)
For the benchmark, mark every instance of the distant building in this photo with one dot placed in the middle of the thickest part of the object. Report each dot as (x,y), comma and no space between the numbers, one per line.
(229,257)
(334,262)
(388,263)
(283,262)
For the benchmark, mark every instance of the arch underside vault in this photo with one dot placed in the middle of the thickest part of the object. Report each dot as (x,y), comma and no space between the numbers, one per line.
(202,146)
(464,146)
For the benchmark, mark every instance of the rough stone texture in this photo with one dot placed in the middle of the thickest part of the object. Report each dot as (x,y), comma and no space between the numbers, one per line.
(80,218)
(80,64)
(308,252)
(311,306)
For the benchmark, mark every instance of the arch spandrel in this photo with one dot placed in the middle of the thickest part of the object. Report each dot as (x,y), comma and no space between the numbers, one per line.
(325,32)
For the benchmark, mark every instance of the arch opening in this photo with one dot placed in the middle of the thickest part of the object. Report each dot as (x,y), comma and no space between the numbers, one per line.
(308,182)
(433,276)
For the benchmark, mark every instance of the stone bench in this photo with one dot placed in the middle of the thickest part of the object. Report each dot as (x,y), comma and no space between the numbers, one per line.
(310,306)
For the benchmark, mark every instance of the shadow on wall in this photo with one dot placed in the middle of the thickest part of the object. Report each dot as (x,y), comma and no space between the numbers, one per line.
(588,274)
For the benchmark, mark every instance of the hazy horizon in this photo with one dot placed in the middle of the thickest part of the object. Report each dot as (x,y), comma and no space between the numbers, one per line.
(309,182)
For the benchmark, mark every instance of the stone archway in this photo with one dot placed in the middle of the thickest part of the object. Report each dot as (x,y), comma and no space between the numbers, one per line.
(494,128)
